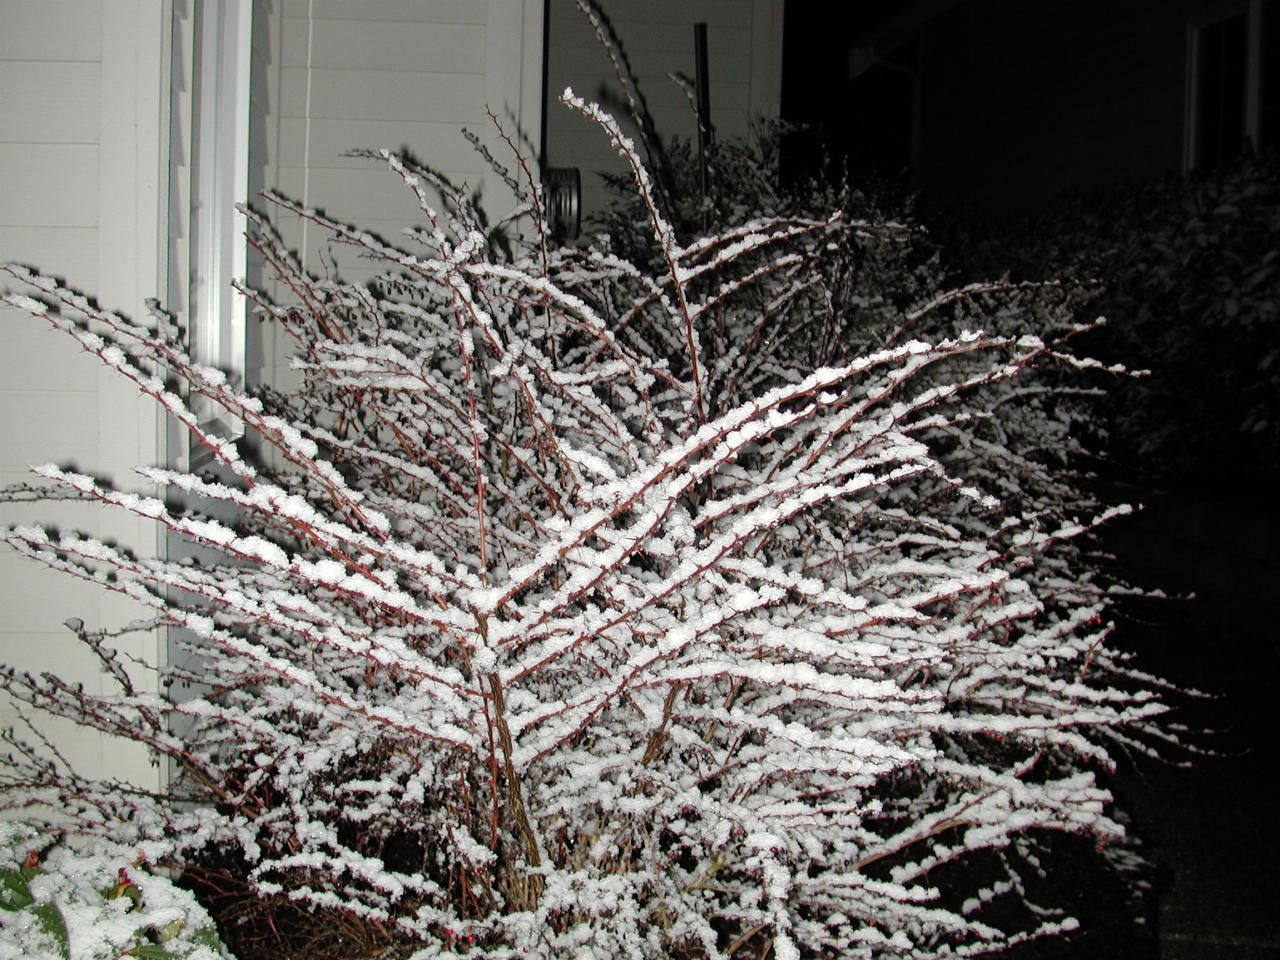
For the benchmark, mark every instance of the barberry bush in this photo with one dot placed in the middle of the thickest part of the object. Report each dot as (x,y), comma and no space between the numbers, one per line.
(1187,270)
(581,606)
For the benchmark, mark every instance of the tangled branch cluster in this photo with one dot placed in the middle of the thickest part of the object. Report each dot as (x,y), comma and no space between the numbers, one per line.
(581,613)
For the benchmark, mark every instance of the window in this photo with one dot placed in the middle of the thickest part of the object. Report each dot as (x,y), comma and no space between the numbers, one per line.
(1268,48)
(1231,100)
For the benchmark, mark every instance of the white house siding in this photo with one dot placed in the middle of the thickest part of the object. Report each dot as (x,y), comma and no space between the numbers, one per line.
(80,153)
(744,54)
(336,76)
(90,192)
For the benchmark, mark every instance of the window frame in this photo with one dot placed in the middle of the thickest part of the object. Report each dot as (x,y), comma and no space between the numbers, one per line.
(222,45)
(1196,26)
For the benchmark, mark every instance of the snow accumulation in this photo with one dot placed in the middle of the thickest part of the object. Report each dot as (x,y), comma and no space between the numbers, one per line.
(588,608)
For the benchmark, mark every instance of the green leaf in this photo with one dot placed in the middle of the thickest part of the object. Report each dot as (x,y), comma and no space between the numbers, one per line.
(14,893)
(151,951)
(55,925)
(168,931)
(207,937)
(127,889)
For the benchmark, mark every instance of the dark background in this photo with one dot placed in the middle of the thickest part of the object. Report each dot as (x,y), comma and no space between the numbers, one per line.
(1002,104)
(990,113)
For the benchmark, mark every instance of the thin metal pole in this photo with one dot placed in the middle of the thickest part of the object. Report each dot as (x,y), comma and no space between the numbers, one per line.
(704,113)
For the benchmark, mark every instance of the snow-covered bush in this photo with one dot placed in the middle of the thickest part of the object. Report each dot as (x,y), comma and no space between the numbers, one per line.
(884,281)
(887,278)
(102,903)
(1187,270)
(602,608)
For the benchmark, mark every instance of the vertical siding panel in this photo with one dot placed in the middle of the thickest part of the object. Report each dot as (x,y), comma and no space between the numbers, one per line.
(390,73)
(47,102)
(93,172)
(766,58)
(51,30)
(81,202)
(411,74)
(130,270)
(48,219)
(744,40)
(264,158)
(513,91)
(49,185)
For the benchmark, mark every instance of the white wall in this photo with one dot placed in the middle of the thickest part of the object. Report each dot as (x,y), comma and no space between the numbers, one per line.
(333,76)
(80,161)
(744,54)
(90,192)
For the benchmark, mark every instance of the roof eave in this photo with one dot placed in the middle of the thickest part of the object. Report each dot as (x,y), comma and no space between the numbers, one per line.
(889,36)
